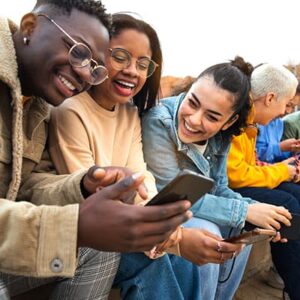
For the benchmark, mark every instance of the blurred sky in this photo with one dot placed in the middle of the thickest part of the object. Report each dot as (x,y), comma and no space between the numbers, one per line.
(196,34)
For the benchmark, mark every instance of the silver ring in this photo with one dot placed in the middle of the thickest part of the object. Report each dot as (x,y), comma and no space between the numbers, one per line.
(233,254)
(219,247)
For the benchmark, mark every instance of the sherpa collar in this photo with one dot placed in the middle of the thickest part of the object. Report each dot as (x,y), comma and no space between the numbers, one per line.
(9,75)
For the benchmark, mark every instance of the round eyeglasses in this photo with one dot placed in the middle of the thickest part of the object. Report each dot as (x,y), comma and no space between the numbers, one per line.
(120,59)
(80,56)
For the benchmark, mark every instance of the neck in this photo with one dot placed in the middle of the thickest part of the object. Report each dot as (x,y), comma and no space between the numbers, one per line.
(101,101)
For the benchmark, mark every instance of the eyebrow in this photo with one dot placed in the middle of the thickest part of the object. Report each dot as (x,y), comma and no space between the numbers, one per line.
(209,110)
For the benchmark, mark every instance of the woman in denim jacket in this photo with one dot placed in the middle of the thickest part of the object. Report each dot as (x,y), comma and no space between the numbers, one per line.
(193,132)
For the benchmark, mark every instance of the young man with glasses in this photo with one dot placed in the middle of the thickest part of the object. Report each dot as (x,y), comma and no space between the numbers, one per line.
(59,51)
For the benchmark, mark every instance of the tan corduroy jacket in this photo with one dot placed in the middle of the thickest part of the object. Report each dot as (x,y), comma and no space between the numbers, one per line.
(34,240)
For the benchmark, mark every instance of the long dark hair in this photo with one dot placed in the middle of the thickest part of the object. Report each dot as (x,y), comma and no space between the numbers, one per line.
(147,96)
(234,77)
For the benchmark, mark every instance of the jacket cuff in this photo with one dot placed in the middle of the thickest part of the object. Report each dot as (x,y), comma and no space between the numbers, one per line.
(57,247)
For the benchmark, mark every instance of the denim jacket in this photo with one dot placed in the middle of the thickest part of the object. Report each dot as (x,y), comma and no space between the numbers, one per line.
(166,156)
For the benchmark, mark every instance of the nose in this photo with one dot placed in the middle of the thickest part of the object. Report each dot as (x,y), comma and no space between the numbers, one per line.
(196,118)
(131,69)
(288,110)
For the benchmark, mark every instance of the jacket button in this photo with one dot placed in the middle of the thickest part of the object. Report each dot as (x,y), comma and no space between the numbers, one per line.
(56,265)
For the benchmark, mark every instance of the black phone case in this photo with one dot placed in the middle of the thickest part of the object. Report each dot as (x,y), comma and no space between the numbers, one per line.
(186,185)
(292,232)
(249,237)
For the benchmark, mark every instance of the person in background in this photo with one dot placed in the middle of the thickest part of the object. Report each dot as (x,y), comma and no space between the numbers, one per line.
(272,88)
(291,122)
(70,38)
(271,146)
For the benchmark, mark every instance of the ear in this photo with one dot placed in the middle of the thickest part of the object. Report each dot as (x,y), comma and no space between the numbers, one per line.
(269,98)
(28,24)
(230,122)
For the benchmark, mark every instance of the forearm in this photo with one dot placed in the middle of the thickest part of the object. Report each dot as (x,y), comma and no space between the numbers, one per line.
(51,189)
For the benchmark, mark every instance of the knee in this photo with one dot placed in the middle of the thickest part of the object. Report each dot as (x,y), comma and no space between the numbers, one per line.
(203,224)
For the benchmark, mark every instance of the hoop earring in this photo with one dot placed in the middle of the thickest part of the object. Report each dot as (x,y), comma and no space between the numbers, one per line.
(26,40)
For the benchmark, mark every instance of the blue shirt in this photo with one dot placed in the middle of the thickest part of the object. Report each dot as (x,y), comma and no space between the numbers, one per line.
(166,156)
(268,140)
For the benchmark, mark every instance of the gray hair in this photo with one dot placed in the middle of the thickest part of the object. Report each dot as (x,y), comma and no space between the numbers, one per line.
(268,78)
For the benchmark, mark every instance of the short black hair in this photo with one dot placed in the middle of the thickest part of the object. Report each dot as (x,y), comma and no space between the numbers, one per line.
(91,7)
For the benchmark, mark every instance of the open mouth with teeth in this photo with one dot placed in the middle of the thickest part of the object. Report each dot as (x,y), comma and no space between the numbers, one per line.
(124,88)
(190,129)
(67,83)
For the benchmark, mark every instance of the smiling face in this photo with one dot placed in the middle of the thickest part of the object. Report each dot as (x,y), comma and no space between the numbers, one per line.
(205,110)
(122,85)
(45,69)
(269,107)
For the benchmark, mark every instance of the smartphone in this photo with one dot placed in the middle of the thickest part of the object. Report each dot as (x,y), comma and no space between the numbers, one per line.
(291,232)
(186,185)
(253,236)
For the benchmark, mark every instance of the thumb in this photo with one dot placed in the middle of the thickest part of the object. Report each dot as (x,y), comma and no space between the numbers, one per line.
(95,174)
(129,183)
(92,178)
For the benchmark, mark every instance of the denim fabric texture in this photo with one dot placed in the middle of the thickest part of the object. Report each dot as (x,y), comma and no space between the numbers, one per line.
(172,277)
(166,156)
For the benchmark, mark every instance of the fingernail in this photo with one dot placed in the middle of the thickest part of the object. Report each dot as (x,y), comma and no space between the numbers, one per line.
(137,175)
(189,214)
(187,204)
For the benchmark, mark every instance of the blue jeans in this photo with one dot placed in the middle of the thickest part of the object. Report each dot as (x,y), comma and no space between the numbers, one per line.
(286,257)
(172,277)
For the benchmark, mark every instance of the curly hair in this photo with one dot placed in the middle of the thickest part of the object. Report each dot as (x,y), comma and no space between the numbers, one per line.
(147,96)
(91,7)
(234,77)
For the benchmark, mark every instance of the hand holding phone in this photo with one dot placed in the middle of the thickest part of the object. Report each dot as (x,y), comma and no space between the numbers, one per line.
(186,185)
(252,236)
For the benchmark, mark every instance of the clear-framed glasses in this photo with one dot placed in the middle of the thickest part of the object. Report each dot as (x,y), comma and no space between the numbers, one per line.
(80,56)
(120,59)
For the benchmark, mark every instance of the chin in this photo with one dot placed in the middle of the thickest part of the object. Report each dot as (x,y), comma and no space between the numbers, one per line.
(55,101)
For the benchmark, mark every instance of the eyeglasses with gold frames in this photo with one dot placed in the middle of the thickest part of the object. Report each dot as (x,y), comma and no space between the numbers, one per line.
(120,59)
(80,56)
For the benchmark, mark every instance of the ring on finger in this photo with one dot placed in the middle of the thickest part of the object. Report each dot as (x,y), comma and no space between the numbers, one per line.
(219,247)
(233,255)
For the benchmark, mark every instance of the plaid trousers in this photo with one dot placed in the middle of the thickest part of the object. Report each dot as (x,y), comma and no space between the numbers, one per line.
(92,280)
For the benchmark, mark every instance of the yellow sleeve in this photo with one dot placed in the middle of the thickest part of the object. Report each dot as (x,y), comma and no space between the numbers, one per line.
(243,172)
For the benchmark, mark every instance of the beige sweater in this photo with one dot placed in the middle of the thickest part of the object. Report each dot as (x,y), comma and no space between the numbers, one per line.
(82,134)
